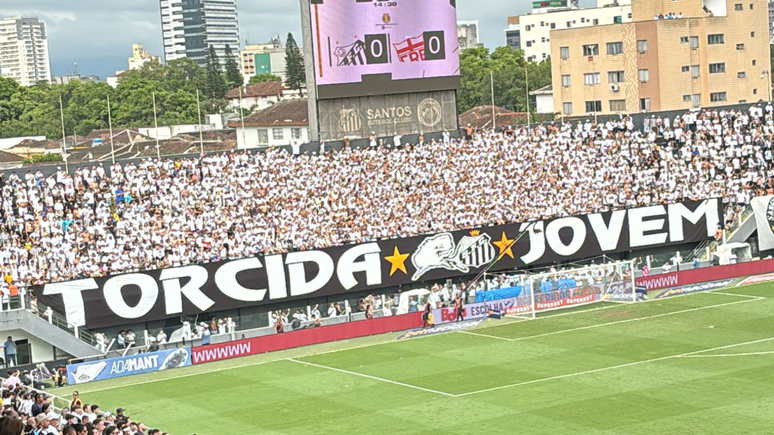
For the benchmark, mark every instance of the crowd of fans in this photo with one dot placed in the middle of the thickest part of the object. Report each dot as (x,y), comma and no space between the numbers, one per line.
(27,411)
(172,212)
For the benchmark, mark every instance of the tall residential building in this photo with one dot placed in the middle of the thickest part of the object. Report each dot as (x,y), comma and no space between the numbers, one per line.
(771,20)
(24,50)
(467,35)
(140,57)
(716,54)
(531,33)
(268,58)
(189,27)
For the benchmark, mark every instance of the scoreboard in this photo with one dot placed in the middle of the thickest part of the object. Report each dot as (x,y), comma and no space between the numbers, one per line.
(369,47)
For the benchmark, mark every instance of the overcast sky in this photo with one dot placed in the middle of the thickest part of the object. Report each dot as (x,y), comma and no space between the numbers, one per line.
(98,34)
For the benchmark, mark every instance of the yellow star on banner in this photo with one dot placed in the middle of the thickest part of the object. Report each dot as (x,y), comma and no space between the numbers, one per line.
(397,260)
(505,246)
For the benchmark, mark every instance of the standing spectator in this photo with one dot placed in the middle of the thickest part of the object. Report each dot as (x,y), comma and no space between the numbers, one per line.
(10,352)
(316,312)
(121,339)
(332,312)
(130,338)
(413,306)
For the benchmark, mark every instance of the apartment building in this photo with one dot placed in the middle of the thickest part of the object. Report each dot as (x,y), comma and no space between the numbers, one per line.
(189,27)
(467,35)
(531,33)
(24,50)
(717,53)
(268,58)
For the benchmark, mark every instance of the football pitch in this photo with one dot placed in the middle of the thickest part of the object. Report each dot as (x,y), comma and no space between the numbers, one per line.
(700,363)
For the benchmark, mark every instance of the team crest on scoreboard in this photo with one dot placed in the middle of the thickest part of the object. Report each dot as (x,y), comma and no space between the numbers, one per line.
(440,252)
(411,50)
(386,19)
(429,112)
(353,54)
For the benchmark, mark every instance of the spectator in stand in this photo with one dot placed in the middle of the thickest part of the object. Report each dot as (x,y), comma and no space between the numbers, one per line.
(10,352)
(332,312)
(130,338)
(11,426)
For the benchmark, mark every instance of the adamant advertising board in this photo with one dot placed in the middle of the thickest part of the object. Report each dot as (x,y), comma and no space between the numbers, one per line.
(128,365)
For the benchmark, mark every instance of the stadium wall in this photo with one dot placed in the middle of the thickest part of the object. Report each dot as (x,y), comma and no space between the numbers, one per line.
(676,279)
(304,337)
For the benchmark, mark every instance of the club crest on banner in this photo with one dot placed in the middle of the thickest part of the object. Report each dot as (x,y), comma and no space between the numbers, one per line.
(440,252)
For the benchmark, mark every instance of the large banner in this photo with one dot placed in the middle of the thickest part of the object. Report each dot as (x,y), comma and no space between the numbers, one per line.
(128,365)
(264,279)
(763,207)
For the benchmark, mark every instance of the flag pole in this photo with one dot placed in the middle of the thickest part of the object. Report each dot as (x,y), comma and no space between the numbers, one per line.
(494,122)
(156,126)
(64,135)
(242,118)
(199,111)
(110,126)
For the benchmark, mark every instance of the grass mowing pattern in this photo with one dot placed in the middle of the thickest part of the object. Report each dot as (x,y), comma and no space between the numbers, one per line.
(671,395)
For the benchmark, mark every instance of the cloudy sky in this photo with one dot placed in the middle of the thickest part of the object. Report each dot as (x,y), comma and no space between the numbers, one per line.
(98,34)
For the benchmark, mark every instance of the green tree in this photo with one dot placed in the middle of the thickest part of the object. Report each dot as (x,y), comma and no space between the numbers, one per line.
(295,74)
(508,69)
(260,78)
(216,84)
(233,75)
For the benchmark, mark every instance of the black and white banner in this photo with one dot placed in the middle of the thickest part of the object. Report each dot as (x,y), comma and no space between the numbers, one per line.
(159,294)
(763,207)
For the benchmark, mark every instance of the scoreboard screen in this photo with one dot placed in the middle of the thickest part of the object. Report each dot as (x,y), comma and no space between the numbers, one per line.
(404,39)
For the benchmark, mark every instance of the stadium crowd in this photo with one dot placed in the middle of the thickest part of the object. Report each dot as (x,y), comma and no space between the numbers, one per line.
(172,212)
(27,411)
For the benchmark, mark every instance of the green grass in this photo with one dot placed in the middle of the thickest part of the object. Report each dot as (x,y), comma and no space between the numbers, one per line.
(619,369)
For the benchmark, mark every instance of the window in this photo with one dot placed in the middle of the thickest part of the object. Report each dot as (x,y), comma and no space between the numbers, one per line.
(591,79)
(583,20)
(543,39)
(553,25)
(564,52)
(615,77)
(527,27)
(617,19)
(645,104)
(742,101)
(529,43)
(741,75)
(752,34)
(717,97)
(695,71)
(740,46)
(695,100)
(642,46)
(596,21)
(542,24)
(593,106)
(263,136)
(644,76)
(754,62)
(752,6)
(295,133)
(715,39)
(755,91)
(738,7)
(567,108)
(686,98)
(591,50)
(569,24)
(686,69)
(276,134)
(683,39)
(717,68)
(566,81)
(614,48)
(694,42)
(618,105)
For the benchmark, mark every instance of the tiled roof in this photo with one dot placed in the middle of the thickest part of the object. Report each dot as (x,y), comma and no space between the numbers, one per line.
(263,89)
(292,112)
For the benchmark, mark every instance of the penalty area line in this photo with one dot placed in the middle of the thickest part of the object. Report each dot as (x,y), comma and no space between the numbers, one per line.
(375,378)
(619,366)
(725,355)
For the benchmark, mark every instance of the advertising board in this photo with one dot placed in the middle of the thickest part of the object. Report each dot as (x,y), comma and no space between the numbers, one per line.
(128,365)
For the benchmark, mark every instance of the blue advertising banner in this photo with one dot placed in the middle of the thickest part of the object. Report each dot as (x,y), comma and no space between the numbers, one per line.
(128,365)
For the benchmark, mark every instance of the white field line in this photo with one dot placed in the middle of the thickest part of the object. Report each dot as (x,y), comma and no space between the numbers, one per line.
(618,322)
(603,369)
(739,295)
(721,355)
(241,366)
(375,378)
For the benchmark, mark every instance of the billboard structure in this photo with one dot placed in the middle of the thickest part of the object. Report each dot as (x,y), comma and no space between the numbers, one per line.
(365,58)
